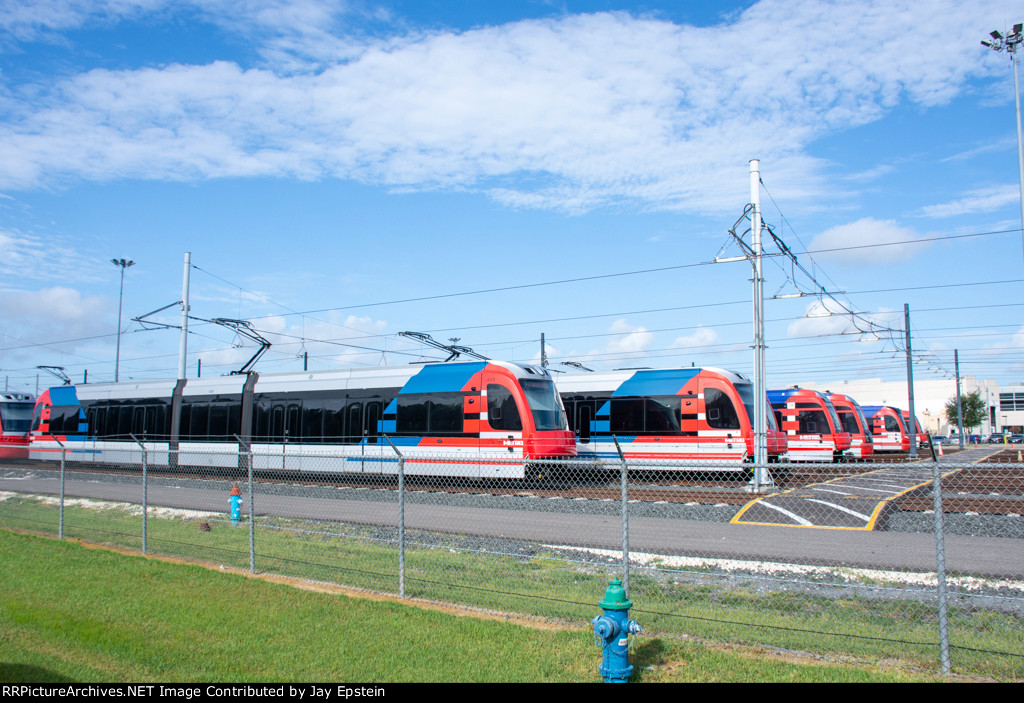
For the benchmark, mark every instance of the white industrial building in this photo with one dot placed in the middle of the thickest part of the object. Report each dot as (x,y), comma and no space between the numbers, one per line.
(1005,405)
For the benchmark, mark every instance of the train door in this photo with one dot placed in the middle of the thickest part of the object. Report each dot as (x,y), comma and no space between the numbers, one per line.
(724,433)
(373,447)
(501,436)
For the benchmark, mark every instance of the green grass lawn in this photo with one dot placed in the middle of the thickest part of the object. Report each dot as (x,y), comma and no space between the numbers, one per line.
(71,613)
(857,630)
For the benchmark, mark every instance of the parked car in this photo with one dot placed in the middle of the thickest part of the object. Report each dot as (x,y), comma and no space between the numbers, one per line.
(1016,439)
(995,438)
(940,439)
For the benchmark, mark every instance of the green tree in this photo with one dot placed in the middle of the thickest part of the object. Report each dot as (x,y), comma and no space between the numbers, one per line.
(973,408)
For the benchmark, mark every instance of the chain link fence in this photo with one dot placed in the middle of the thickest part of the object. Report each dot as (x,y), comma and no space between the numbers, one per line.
(919,564)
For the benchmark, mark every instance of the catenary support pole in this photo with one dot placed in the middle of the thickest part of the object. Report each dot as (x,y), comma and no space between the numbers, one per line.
(183,342)
(911,423)
(959,402)
(760,402)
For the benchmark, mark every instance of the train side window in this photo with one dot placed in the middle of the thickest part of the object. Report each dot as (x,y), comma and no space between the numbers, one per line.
(124,421)
(334,419)
(276,423)
(413,414)
(313,421)
(139,421)
(218,420)
(186,421)
(234,420)
(628,416)
(199,424)
(502,411)
(446,413)
(374,410)
(720,411)
(662,415)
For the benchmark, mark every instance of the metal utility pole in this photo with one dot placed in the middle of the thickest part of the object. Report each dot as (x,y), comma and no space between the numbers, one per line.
(183,343)
(959,404)
(543,352)
(1010,44)
(912,422)
(123,263)
(760,407)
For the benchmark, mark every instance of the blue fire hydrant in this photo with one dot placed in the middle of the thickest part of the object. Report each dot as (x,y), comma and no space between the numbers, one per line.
(235,499)
(612,631)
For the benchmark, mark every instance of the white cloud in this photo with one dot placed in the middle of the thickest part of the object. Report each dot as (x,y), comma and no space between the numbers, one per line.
(868,241)
(630,339)
(591,109)
(986,200)
(703,337)
(56,313)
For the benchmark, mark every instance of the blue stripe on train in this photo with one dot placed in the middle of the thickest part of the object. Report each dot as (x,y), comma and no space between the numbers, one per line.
(442,378)
(656,382)
(63,395)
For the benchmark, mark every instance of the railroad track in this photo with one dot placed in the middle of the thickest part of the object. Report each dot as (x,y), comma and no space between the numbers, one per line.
(985,488)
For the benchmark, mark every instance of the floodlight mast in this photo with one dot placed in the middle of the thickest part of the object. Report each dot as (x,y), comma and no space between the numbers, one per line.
(1010,44)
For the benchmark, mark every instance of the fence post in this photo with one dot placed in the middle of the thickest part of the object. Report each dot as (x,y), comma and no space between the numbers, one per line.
(60,523)
(401,518)
(246,450)
(625,516)
(145,487)
(940,570)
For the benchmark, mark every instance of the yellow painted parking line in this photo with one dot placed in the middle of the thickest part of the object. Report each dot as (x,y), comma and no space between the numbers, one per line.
(875,477)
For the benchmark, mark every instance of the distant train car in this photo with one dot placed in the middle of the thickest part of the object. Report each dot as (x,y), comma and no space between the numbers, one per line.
(887,426)
(811,425)
(485,419)
(852,418)
(920,437)
(15,420)
(666,417)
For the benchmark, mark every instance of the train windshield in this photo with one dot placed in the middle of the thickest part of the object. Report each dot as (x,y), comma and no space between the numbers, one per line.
(544,405)
(746,391)
(849,421)
(16,417)
(831,409)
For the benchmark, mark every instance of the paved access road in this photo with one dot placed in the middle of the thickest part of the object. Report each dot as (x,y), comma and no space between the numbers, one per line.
(987,556)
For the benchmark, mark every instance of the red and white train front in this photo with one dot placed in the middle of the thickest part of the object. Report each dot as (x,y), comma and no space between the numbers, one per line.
(862,444)
(15,420)
(811,425)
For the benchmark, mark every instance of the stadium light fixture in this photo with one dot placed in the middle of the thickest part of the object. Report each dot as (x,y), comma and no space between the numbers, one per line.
(122,264)
(1010,44)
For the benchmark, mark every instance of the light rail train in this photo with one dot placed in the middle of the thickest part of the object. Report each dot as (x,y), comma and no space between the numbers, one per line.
(15,419)
(811,425)
(666,419)
(862,444)
(888,428)
(481,419)
(920,437)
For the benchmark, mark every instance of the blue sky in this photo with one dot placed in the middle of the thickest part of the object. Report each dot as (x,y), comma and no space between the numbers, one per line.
(343,171)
